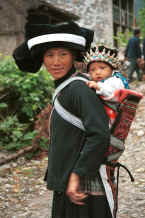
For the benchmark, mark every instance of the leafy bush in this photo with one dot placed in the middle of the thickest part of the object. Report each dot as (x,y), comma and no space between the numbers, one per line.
(14,135)
(25,93)
(122,38)
(141,20)
(22,97)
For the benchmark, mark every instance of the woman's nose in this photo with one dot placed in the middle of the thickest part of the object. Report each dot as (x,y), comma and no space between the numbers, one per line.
(56,60)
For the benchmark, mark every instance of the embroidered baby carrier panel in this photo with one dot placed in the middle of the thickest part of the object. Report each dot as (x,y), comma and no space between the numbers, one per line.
(125,113)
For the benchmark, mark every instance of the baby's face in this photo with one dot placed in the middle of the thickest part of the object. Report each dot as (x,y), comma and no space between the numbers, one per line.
(99,71)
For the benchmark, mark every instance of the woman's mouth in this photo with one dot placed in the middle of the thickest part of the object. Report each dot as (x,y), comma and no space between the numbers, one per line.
(57,70)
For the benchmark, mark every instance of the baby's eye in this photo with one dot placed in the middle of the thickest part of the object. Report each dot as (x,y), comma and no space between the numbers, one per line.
(92,69)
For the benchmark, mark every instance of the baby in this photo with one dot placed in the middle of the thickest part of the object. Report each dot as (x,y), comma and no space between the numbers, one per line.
(102,66)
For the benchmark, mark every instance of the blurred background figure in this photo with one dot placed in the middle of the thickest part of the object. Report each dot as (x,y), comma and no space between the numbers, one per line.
(133,55)
(142,61)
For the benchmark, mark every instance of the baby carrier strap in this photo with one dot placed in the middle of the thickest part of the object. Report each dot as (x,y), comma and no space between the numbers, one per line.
(66,83)
(123,78)
(66,115)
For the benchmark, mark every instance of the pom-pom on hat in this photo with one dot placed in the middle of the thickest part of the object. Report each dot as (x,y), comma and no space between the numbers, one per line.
(40,36)
(101,53)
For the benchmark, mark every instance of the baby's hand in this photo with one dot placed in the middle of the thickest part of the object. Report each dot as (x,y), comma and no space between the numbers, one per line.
(93,84)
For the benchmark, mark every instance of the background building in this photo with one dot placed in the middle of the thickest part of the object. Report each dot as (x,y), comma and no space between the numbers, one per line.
(138,4)
(123,15)
(106,17)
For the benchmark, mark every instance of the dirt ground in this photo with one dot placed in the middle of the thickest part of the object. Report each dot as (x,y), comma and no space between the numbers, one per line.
(23,193)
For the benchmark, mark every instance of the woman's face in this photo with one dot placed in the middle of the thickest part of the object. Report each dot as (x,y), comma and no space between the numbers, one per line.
(99,71)
(58,61)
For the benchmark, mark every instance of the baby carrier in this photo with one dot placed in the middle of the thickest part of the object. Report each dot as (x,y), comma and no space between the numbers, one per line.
(124,104)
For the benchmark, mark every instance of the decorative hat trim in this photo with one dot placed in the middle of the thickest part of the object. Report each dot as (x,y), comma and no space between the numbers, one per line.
(60,37)
(104,56)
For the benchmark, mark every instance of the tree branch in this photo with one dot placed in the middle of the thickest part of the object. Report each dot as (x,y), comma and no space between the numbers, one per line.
(18,154)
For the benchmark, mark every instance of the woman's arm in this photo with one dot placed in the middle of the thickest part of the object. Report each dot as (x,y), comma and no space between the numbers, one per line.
(73,190)
(92,113)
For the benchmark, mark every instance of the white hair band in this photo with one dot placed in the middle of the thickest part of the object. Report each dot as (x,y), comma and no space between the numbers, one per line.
(61,37)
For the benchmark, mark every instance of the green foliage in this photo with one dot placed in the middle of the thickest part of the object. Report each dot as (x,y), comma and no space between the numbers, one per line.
(14,134)
(141,21)
(44,143)
(30,92)
(22,97)
(3,105)
(122,38)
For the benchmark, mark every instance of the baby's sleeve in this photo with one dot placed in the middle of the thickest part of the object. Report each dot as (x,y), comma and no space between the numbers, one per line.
(109,86)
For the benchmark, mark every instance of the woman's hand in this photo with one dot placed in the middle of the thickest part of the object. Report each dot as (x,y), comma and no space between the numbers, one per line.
(73,190)
(93,84)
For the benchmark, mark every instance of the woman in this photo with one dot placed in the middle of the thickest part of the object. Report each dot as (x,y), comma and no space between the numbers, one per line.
(75,156)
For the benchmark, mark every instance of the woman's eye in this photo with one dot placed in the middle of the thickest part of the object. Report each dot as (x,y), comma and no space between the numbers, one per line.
(64,54)
(49,55)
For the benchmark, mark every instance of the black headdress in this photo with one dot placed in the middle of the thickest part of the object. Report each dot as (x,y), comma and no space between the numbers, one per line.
(39,36)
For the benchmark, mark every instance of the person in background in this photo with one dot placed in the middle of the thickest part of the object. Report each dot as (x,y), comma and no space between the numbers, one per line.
(144,58)
(133,54)
(75,155)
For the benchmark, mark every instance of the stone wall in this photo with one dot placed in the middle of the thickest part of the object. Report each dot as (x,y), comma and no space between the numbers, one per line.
(94,14)
(12,19)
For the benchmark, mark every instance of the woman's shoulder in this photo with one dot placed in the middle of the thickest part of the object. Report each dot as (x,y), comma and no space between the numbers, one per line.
(77,87)
(80,89)
(79,80)
(81,74)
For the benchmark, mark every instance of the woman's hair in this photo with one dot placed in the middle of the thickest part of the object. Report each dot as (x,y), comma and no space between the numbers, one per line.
(136,32)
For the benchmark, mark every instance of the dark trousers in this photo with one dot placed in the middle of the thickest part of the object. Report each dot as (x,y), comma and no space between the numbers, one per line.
(95,207)
(133,68)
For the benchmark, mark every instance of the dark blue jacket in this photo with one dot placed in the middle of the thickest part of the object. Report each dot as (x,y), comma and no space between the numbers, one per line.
(133,49)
